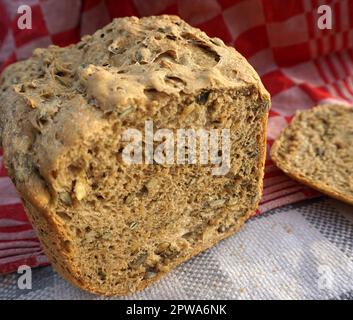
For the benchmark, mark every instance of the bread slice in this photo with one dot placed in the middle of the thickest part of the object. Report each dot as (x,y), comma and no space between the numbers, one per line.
(317,149)
(112,227)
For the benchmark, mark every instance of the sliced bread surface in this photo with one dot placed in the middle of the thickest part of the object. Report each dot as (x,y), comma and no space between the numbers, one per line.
(317,149)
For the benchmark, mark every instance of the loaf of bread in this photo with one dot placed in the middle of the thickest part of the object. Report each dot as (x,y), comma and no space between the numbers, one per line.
(317,149)
(108,225)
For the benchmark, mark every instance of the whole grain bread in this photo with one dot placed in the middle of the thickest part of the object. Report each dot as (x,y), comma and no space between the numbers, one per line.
(109,227)
(317,149)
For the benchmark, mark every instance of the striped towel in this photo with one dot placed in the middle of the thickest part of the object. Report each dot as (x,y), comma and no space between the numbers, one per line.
(300,64)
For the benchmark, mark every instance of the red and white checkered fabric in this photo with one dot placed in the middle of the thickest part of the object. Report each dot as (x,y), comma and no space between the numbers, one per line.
(299,64)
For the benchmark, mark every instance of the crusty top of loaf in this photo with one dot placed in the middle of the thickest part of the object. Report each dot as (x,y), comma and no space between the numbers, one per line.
(130,62)
(117,64)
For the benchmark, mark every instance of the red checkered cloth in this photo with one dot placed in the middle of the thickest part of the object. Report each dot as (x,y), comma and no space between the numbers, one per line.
(299,64)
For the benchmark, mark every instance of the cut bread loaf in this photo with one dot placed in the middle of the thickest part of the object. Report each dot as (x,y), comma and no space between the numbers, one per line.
(317,149)
(107,226)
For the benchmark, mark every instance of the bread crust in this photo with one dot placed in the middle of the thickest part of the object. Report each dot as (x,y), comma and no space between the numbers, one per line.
(286,168)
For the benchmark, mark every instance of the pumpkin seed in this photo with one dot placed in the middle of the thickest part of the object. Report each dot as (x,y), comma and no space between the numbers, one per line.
(217,203)
(127,111)
(140,259)
(150,274)
(80,190)
(65,198)
(133,225)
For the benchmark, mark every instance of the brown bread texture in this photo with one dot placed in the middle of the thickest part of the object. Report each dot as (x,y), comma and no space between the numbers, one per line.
(317,149)
(109,227)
